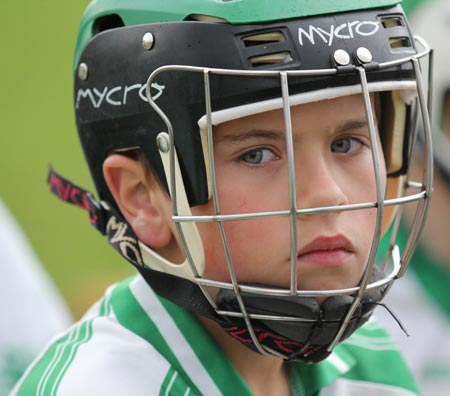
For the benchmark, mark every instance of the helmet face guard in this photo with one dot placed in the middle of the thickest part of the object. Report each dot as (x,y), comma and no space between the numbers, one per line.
(287,318)
(146,99)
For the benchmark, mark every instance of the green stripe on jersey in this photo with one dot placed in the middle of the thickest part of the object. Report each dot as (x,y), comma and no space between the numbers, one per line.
(372,345)
(174,385)
(70,351)
(48,372)
(220,368)
(368,357)
(132,316)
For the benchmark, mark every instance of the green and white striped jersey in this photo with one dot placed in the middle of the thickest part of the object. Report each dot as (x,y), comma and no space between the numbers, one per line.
(135,343)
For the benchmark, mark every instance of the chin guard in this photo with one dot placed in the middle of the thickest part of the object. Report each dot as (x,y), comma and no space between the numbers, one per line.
(309,327)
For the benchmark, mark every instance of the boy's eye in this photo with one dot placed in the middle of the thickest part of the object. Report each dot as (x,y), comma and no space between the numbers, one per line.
(258,156)
(345,145)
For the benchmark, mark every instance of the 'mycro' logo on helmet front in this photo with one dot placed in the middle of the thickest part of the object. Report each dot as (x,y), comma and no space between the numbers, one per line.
(345,31)
(116,96)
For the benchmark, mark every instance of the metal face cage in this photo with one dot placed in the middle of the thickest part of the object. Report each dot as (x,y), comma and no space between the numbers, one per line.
(392,266)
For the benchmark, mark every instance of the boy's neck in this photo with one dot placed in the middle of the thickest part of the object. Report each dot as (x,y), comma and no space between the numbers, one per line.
(265,375)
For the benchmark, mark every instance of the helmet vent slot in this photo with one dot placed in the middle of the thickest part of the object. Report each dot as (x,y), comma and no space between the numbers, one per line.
(271,59)
(205,18)
(399,42)
(263,39)
(107,22)
(391,22)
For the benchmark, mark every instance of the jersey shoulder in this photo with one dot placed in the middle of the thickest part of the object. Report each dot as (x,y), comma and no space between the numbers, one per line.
(99,356)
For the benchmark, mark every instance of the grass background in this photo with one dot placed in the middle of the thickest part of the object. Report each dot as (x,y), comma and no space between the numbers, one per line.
(37,40)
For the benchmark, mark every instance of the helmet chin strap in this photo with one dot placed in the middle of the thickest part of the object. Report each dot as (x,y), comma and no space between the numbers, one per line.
(301,330)
(306,329)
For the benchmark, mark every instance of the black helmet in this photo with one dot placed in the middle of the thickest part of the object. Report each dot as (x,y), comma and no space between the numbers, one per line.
(158,76)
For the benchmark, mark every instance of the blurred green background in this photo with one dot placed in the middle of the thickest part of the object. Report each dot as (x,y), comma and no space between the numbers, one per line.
(37,128)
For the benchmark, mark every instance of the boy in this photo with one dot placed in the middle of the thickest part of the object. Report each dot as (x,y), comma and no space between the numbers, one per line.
(249,180)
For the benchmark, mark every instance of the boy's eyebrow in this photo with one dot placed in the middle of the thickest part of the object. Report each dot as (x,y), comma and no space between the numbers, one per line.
(243,135)
(351,125)
(272,134)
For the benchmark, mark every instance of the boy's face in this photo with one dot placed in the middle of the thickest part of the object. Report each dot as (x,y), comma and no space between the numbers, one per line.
(333,166)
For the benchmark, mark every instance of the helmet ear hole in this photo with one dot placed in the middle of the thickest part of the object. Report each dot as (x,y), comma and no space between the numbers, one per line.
(107,22)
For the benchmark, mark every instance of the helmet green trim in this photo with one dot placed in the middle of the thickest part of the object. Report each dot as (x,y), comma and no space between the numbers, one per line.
(234,11)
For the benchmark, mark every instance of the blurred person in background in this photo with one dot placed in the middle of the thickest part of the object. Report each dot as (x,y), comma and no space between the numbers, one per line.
(423,297)
(32,310)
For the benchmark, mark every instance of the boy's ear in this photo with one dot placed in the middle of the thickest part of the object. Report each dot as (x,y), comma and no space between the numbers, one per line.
(140,198)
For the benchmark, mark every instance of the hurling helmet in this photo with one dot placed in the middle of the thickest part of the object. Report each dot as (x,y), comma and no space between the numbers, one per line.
(159,75)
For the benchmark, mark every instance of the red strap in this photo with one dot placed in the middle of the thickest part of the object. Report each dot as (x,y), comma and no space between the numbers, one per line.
(69,192)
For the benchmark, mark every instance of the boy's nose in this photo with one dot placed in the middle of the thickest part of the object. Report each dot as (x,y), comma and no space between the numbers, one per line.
(319,185)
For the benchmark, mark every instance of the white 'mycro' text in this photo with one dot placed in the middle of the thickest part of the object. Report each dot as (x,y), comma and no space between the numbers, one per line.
(346,31)
(116,96)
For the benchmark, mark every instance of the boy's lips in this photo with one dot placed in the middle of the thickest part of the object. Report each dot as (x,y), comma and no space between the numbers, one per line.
(326,251)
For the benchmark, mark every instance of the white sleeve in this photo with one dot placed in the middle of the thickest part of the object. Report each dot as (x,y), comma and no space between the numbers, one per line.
(31,308)
(114,362)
